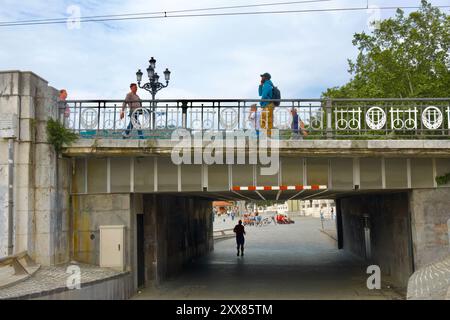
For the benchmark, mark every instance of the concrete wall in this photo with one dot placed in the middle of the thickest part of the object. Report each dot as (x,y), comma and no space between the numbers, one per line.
(390,232)
(40,217)
(92,211)
(430,211)
(177,229)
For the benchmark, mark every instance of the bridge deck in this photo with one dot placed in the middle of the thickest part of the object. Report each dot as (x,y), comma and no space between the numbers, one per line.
(302,169)
(136,147)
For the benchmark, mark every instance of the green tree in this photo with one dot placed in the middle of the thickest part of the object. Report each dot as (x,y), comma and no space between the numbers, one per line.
(405,56)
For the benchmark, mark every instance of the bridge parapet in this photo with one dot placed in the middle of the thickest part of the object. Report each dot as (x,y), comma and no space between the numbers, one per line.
(322,118)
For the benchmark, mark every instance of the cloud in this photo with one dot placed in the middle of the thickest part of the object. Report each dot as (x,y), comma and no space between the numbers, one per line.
(210,57)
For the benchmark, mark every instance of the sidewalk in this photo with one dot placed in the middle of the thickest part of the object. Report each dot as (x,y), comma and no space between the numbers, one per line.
(51,280)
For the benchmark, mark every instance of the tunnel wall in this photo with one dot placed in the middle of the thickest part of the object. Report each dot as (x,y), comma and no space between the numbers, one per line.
(177,230)
(390,232)
(89,212)
(430,211)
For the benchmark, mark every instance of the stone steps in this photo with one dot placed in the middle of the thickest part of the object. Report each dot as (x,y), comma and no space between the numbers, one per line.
(16,268)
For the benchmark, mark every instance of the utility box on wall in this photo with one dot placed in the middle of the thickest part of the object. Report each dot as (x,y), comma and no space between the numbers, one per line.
(112,252)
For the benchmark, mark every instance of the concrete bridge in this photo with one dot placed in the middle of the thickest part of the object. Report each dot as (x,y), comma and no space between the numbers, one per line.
(379,159)
(307,169)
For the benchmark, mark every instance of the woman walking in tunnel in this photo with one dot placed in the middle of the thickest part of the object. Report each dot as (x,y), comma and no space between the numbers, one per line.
(240,240)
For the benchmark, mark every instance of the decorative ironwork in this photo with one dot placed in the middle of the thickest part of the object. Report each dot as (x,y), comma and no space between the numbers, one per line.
(140,118)
(398,121)
(89,118)
(348,119)
(376,118)
(282,118)
(448,117)
(432,118)
(228,118)
(340,118)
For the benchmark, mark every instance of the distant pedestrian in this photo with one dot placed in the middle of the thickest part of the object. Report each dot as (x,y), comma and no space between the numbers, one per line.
(255,118)
(240,240)
(133,101)
(297,126)
(63,107)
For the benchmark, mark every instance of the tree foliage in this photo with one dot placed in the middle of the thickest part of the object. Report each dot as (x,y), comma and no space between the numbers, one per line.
(405,56)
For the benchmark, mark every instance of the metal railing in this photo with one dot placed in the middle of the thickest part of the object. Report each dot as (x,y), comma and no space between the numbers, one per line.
(322,118)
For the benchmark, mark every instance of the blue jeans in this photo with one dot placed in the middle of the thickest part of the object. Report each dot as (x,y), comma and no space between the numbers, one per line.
(130,126)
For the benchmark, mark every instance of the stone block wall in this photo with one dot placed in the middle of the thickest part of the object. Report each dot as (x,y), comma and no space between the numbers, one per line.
(40,217)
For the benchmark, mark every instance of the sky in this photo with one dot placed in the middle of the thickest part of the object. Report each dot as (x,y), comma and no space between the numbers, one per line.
(209,57)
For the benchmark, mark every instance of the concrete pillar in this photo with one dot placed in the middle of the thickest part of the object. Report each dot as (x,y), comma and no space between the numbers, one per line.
(38,224)
(430,210)
(390,232)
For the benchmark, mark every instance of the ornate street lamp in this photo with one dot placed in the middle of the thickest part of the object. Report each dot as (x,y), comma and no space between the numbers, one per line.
(153,86)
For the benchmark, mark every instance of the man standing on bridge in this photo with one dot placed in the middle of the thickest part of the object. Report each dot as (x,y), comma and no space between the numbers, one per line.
(134,102)
(240,240)
(265,91)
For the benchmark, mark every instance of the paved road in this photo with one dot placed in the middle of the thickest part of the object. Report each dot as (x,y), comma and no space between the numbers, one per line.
(281,262)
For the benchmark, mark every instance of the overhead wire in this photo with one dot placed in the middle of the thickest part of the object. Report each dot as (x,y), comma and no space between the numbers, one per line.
(167,14)
(64,19)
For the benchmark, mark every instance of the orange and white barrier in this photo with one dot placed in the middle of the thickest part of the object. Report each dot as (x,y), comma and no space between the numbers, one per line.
(279,188)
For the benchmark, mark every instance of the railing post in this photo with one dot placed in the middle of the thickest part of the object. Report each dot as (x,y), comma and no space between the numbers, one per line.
(328,110)
(184,108)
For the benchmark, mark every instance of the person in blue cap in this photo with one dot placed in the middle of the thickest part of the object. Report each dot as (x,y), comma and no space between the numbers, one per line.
(266,93)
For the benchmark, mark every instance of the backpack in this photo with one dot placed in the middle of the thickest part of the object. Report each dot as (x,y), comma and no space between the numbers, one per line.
(276,94)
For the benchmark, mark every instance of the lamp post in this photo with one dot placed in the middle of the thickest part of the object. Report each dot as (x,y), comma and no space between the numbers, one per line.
(153,86)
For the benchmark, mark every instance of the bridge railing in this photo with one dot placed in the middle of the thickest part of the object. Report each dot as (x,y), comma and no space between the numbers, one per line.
(322,118)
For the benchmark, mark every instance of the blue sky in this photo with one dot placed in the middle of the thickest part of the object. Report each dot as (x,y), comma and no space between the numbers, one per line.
(210,57)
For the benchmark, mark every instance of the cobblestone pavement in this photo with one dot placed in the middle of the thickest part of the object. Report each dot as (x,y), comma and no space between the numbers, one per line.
(431,282)
(294,261)
(53,279)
